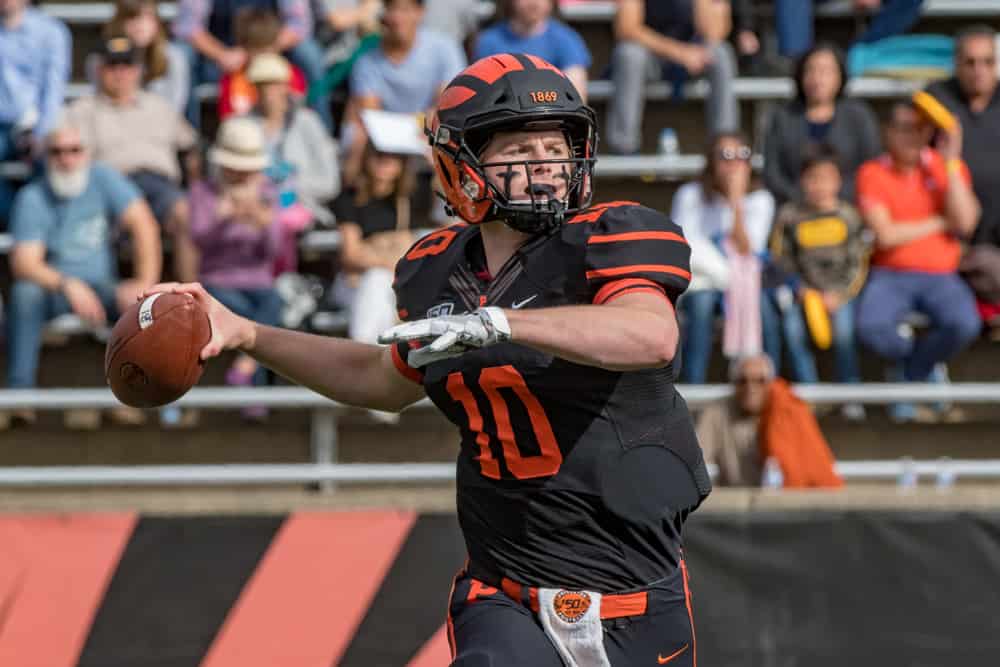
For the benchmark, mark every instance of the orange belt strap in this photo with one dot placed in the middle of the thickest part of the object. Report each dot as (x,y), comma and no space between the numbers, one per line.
(612,606)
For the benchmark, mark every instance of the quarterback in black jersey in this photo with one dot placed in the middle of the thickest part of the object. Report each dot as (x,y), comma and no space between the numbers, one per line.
(543,326)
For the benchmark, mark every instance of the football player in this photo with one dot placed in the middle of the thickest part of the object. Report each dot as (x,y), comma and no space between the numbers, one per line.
(544,328)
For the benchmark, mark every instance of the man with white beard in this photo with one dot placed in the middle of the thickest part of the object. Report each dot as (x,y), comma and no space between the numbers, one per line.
(64,224)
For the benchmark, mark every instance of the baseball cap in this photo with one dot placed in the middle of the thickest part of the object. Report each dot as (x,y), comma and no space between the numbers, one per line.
(119,51)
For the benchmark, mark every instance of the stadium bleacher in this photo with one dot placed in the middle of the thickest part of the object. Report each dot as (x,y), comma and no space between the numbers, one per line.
(639,177)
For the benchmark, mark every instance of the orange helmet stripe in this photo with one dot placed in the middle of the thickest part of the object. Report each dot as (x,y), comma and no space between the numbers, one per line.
(492,68)
(455,95)
(542,64)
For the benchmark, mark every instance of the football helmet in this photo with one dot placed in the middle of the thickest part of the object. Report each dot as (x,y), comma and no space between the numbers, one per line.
(511,92)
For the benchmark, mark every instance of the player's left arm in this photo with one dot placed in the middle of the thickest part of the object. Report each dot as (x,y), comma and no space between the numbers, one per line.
(636,330)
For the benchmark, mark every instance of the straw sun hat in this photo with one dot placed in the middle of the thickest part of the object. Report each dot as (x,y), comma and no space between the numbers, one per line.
(239,145)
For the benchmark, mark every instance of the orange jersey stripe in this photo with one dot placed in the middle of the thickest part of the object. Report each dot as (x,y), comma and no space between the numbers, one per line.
(637,236)
(638,268)
(616,285)
(409,372)
(687,600)
(658,291)
(597,210)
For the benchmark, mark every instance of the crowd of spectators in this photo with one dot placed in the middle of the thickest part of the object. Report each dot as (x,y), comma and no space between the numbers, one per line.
(873,224)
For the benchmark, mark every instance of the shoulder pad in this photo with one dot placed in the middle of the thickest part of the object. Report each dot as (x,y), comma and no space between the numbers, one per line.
(432,257)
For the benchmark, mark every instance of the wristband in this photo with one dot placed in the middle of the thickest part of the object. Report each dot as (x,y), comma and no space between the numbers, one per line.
(953,165)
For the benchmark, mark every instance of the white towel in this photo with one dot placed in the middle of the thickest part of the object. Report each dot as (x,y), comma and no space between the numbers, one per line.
(572,621)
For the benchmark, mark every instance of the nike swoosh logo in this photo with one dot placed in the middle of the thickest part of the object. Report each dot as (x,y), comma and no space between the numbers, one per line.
(661,660)
(522,304)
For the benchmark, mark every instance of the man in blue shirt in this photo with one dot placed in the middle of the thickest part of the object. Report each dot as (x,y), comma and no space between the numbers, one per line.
(530,28)
(405,74)
(34,69)
(65,225)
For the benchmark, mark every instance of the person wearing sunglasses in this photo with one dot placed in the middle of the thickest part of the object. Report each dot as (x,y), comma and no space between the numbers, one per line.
(919,204)
(973,96)
(726,220)
(728,430)
(64,260)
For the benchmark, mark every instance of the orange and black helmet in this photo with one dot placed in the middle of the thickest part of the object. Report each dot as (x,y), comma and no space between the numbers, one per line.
(510,92)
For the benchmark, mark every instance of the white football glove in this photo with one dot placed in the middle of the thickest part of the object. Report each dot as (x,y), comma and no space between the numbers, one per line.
(450,335)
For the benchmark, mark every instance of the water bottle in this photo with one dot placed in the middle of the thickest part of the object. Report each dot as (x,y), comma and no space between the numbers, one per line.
(772,478)
(669,145)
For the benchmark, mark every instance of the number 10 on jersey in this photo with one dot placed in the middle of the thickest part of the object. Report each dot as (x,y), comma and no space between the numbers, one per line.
(491,381)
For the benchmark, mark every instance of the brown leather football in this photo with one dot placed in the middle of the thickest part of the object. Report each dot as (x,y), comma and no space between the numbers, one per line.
(153,355)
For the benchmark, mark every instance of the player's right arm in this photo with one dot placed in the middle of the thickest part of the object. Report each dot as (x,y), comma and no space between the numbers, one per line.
(343,370)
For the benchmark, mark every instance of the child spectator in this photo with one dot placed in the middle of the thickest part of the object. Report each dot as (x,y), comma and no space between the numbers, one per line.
(529,26)
(820,113)
(727,223)
(164,66)
(919,203)
(234,225)
(819,242)
(256,32)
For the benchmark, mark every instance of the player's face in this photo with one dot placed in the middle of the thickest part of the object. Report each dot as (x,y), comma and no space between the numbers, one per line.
(517,149)
(976,65)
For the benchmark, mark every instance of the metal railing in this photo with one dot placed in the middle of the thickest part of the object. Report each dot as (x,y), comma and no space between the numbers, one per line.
(324,470)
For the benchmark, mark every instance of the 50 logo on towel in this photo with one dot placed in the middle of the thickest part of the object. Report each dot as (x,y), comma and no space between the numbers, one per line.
(571,606)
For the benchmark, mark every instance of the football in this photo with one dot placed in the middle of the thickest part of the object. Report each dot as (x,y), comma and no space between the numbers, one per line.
(153,355)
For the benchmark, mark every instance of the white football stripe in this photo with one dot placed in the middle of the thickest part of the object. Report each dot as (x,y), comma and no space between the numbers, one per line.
(146,310)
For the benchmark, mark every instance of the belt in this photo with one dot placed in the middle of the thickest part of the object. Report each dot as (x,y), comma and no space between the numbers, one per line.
(613,605)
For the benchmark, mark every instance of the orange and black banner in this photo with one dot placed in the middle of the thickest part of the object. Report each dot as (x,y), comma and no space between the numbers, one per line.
(320,589)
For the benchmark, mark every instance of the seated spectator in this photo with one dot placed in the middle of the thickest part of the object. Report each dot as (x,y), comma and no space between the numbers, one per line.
(727,223)
(728,430)
(256,31)
(140,135)
(528,26)
(819,241)
(973,96)
(208,31)
(672,39)
(820,113)
(164,65)
(64,260)
(303,156)
(795,26)
(235,227)
(764,424)
(34,69)
(919,203)
(405,74)
(375,219)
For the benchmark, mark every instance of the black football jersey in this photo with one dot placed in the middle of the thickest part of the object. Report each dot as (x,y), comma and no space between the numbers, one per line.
(568,475)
